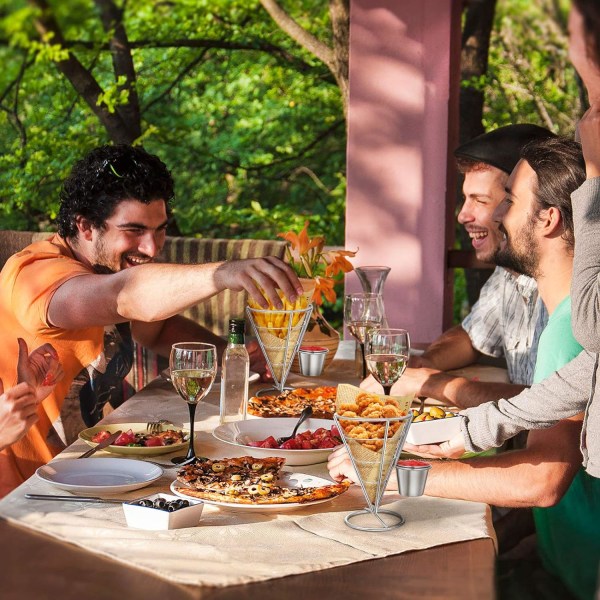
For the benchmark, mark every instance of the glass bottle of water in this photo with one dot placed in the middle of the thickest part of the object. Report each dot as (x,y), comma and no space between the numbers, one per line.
(234,375)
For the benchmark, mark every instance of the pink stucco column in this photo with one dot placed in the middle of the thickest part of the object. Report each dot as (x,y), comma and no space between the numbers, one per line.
(398,147)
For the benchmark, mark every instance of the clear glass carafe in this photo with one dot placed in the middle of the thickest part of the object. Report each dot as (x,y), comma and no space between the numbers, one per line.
(372,279)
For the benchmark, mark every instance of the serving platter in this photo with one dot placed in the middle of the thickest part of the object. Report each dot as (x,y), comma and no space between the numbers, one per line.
(239,433)
(87,434)
(99,475)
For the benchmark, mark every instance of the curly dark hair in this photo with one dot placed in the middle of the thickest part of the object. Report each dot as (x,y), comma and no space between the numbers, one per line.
(105,177)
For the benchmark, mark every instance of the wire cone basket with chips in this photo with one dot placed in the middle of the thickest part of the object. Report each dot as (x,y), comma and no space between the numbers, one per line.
(279,334)
(373,428)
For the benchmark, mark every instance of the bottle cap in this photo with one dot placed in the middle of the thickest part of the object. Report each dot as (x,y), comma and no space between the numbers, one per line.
(237,325)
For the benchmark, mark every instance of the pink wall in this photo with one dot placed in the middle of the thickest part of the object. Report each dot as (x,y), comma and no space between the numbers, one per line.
(397,153)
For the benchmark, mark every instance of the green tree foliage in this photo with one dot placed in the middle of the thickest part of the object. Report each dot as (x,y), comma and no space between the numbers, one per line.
(250,123)
(530,78)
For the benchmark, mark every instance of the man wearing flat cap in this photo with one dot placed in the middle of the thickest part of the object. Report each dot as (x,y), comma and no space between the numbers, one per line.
(508,318)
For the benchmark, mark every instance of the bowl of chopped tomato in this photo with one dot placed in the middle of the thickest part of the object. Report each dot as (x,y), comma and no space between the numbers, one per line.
(313,443)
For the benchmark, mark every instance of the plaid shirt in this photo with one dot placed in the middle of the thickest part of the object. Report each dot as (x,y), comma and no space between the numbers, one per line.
(507,320)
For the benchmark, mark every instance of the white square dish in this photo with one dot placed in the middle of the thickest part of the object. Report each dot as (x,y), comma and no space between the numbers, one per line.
(147,517)
(434,431)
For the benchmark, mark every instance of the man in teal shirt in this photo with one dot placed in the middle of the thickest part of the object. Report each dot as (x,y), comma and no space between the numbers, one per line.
(568,533)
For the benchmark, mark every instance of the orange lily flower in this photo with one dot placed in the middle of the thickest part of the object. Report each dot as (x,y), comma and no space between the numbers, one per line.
(339,263)
(300,241)
(305,255)
(324,287)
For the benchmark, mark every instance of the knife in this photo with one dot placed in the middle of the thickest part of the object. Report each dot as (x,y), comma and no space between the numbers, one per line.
(75,498)
(106,442)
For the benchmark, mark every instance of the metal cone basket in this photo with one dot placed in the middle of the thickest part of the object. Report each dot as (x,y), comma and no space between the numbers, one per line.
(279,334)
(373,466)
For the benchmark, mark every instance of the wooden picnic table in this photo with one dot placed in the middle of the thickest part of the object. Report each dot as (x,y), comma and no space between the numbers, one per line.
(37,565)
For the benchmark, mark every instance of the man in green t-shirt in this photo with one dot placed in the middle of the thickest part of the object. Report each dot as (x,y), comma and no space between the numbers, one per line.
(536,220)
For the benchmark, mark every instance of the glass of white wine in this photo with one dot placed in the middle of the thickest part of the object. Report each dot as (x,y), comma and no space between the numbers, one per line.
(193,368)
(363,312)
(387,352)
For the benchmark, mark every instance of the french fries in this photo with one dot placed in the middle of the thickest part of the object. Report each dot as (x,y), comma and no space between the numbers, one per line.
(276,320)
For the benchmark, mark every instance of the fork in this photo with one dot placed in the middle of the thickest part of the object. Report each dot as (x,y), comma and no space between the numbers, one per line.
(155,427)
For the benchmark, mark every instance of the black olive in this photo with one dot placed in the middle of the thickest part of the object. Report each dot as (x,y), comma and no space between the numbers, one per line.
(160,503)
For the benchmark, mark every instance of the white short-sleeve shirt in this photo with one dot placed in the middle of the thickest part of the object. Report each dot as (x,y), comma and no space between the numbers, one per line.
(507,321)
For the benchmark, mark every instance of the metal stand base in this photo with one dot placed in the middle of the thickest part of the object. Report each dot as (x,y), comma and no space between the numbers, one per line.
(270,390)
(396,521)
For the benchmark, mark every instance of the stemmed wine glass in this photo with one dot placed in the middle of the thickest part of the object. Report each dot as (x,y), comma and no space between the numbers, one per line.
(193,369)
(363,312)
(387,353)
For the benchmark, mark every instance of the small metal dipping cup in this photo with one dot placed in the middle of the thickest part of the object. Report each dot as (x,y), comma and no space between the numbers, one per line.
(412,476)
(312,360)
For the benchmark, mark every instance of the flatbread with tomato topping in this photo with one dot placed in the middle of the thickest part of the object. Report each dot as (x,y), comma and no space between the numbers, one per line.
(292,402)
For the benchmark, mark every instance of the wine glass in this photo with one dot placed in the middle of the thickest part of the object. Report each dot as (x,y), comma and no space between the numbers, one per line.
(363,312)
(193,369)
(387,353)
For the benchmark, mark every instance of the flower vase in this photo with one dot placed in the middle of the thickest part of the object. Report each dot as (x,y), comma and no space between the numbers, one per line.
(319,333)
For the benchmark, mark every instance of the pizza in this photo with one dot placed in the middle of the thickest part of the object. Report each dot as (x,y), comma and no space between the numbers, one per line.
(291,403)
(247,480)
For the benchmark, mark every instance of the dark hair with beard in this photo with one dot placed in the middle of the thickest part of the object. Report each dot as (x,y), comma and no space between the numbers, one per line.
(107,176)
(590,11)
(560,169)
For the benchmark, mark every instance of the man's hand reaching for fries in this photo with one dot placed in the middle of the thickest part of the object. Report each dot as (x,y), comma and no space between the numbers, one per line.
(277,320)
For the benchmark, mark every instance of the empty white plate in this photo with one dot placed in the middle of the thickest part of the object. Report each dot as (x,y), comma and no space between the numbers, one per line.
(94,475)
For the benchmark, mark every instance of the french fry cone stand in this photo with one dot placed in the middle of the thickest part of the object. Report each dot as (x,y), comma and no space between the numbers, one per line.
(373,428)
(279,334)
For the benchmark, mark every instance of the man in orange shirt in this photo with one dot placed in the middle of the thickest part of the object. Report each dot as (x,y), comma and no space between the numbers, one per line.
(91,287)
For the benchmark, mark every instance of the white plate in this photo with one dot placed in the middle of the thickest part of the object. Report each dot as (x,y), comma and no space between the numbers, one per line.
(95,475)
(252,375)
(299,480)
(239,432)
(87,434)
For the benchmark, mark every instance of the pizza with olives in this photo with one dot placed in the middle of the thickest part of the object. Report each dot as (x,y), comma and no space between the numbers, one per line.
(291,403)
(248,480)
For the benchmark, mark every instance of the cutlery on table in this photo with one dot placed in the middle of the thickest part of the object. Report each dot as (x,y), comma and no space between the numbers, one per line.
(307,412)
(106,442)
(155,427)
(75,498)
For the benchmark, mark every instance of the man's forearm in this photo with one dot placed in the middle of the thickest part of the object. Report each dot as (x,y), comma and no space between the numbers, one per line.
(560,396)
(155,292)
(464,393)
(452,350)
